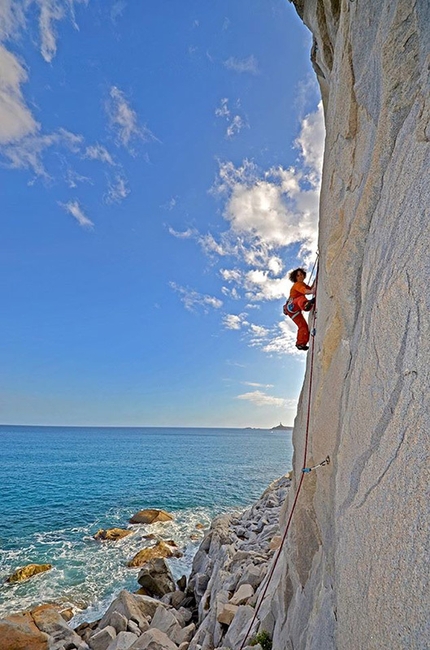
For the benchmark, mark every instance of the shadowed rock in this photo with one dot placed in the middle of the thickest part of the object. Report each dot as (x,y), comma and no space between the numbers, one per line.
(156,578)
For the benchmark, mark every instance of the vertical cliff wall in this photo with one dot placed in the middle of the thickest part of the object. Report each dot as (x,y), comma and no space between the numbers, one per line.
(354,572)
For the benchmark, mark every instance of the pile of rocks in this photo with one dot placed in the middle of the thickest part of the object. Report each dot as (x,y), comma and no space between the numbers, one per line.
(213,611)
(229,571)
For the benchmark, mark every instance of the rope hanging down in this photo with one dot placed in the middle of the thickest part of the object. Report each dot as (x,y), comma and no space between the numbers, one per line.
(304,471)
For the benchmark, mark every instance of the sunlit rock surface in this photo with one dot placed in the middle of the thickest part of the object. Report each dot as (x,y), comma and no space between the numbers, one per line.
(354,572)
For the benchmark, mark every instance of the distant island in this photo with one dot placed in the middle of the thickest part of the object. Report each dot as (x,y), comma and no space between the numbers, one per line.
(281,427)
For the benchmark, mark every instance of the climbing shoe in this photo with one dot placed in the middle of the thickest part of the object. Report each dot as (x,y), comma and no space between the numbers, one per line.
(309,304)
(302,347)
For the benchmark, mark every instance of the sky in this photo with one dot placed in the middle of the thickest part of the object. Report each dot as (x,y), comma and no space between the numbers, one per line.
(160,168)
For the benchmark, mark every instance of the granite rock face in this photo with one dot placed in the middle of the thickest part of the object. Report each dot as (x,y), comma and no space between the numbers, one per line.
(353,573)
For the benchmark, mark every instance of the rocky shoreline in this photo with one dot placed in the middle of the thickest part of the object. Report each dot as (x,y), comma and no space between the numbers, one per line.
(212,610)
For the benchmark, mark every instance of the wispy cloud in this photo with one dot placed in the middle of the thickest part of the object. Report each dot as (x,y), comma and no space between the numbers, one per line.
(117,10)
(259,398)
(184,234)
(257,385)
(169,205)
(235,123)
(52,11)
(118,190)
(75,210)
(192,299)
(16,119)
(124,120)
(234,321)
(249,64)
(98,152)
(27,153)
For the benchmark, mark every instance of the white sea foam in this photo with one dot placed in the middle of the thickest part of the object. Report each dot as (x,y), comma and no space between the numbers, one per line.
(88,574)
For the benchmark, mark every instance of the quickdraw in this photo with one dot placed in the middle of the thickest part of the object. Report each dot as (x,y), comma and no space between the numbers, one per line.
(326,461)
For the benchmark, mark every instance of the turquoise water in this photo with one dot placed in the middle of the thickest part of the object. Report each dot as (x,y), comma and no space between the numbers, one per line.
(59,485)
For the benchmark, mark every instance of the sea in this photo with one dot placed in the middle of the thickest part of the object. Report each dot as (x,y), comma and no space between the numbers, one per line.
(60,485)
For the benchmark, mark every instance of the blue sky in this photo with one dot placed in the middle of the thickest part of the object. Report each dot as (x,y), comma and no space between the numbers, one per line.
(160,171)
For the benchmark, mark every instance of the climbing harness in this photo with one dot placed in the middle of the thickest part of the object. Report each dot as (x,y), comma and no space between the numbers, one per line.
(326,461)
(305,470)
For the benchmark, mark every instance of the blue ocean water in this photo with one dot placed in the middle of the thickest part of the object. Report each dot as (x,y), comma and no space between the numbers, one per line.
(59,485)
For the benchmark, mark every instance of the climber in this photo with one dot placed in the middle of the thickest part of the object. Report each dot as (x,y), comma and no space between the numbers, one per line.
(298,302)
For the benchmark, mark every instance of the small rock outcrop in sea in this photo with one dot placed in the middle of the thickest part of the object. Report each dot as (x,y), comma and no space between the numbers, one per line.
(161,549)
(150,516)
(112,534)
(28,571)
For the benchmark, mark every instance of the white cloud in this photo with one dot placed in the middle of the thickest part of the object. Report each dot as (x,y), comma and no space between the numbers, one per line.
(170,204)
(185,234)
(259,398)
(234,321)
(27,152)
(257,385)
(235,123)
(117,10)
(258,331)
(311,141)
(283,340)
(249,64)
(98,152)
(267,212)
(52,11)
(192,299)
(124,122)
(117,190)
(16,120)
(73,178)
(12,18)
(223,110)
(73,208)
(235,126)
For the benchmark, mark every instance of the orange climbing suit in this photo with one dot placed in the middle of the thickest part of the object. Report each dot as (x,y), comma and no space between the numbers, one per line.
(295,306)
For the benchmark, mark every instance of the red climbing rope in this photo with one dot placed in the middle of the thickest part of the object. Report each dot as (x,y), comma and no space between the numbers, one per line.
(302,475)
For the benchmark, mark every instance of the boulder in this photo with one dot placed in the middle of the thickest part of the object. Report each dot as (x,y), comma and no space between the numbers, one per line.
(112,534)
(102,638)
(242,595)
(161,549)
(28,571)
(227,614)
(119,622)
(49,620)
(166,622)
(156,578)
(239,627)
(154,640)
(123,641)
(252,575)
(131,607)
(19,632)
(150,516)
(177,598)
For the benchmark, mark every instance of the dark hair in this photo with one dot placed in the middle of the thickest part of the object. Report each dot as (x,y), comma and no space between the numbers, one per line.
(293,274)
